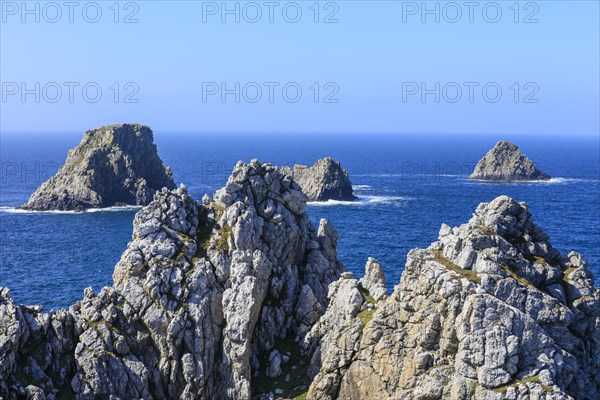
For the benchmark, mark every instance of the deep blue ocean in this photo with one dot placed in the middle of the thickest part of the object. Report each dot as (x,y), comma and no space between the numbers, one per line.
(408,186)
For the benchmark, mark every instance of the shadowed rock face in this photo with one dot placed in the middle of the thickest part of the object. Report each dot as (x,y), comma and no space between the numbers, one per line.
(506,163)
(325,180)
(489,311)
(113,165)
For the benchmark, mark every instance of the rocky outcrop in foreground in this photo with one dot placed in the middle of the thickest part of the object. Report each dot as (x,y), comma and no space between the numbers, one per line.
(325,180)
(113,165)
(241,297)
(490,311)
(506,163)
(209,301)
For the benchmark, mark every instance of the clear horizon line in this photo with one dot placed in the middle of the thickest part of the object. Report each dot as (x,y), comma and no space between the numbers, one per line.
(312,132)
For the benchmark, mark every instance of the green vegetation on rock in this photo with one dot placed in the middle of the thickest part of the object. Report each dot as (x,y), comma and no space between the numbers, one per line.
(366,315)
(223,242)
(524,382)
(468,274)
(296,368)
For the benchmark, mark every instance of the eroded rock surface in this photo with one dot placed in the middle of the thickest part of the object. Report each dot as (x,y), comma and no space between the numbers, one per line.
(113,165)
(325,180)
(489,311)
(506,163)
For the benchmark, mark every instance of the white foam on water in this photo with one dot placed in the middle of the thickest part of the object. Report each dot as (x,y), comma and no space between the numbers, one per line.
(551,181)
(364,201)
(14,210)
(115,209)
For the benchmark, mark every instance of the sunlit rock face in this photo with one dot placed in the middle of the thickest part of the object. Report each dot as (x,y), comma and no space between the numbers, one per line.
(506,163)
(489,311)
(203,295)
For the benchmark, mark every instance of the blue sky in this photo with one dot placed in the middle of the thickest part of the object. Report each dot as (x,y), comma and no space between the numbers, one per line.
(370,67)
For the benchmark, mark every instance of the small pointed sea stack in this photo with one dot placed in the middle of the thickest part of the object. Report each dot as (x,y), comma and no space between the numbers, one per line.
(506,163)
(325,180)
(113,165)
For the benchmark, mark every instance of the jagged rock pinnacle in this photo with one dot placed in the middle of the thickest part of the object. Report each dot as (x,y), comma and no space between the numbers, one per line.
(203,295)
(489,311)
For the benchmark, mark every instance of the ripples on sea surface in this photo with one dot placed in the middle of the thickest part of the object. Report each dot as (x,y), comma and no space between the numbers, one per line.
(407,187)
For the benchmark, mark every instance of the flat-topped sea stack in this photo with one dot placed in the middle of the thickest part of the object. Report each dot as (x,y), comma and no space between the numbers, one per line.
(506,163)
(325,180)
(113,165)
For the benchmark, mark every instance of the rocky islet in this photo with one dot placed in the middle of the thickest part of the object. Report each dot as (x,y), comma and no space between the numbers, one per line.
(324,180)
(506,163)
(112,166)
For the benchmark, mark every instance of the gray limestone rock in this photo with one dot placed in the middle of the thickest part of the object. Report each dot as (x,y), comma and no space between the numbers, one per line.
(324,180)
(207,301)
(374,280)
(489,311)
(506,163)
(113,165)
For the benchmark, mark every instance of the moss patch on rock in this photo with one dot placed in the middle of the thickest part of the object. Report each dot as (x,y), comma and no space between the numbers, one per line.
(366,315)
(468,274)
(225,233)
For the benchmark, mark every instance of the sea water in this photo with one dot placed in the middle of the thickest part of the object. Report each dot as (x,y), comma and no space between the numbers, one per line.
(408,185)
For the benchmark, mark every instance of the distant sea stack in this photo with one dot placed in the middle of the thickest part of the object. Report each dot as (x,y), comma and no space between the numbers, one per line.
(113,165)
(325,180)
(506,163)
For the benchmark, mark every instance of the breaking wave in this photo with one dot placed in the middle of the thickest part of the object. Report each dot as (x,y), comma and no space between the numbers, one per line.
(364,201)
(15,210)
